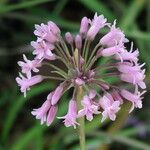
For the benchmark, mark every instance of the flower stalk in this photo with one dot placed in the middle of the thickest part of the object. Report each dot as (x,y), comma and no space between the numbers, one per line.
(81,120)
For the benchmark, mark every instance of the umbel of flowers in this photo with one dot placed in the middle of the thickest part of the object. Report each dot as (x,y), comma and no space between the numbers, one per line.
(80,55)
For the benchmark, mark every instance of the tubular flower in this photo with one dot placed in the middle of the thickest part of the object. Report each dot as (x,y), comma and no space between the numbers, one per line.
(89,108)
(71,116)
(29,65)
(79,56)
(109,106)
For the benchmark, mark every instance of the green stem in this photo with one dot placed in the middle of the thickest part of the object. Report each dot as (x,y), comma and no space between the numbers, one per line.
(81,120)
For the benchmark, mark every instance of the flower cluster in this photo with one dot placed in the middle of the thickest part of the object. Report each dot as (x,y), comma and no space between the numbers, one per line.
(80,56)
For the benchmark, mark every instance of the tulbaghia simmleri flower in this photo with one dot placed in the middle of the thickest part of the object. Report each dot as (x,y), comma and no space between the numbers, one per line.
(29,65)
(89,108)
(79,55)
(71,116)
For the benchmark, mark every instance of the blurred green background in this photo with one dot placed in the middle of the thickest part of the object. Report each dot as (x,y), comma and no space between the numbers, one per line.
(19,130)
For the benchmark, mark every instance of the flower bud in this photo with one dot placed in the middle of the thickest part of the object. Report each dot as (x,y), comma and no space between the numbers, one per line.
(84,26)
(57,94)
(51,115)
(69,38)
(78,42)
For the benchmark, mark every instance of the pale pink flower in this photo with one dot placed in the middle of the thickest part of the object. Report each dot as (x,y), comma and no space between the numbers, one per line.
(84,26)
(97,23)
(134,78)
(116,96)
(43,50)
(41,113)
(53,28)
(109,106)
(69,38)
(78,42)
(130,68)
(26,83)
(117,49)
(113,37)
(135,98)
(92,94)
(51,115)
(57,94)
(41,30)
(71,116)
(89,108)
(29,65)
(130,56)
(79,81)
(48,32)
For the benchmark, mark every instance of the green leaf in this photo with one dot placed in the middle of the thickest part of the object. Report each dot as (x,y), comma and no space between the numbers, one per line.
(131,13)
(39,140)
(27,137)
(25,4)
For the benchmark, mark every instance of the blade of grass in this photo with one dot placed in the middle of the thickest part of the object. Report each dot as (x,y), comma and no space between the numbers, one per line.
(133,131)
(21,5)
(39,140)
(18,104)
(99,7)
(59,6)
(27,137)
(131,13)
(121,139)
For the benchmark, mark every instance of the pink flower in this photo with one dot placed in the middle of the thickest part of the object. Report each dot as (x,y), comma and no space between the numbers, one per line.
(57,94)
(51,115)
(97,23)
(109,106)
(29,65)
(83,70)
(92,94)
(84,26)
(130,68)
(134,78)
(117,49)
(131,55)
(41,30)
(78,42)
(89,108)
(48,32)
(43,49)
(79,81)
(132,73)
(135,98)
(113,37)
(47,112)
(53,28)
(25,83)
(69,38)
(116,96)
(41,113)
(71,116)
